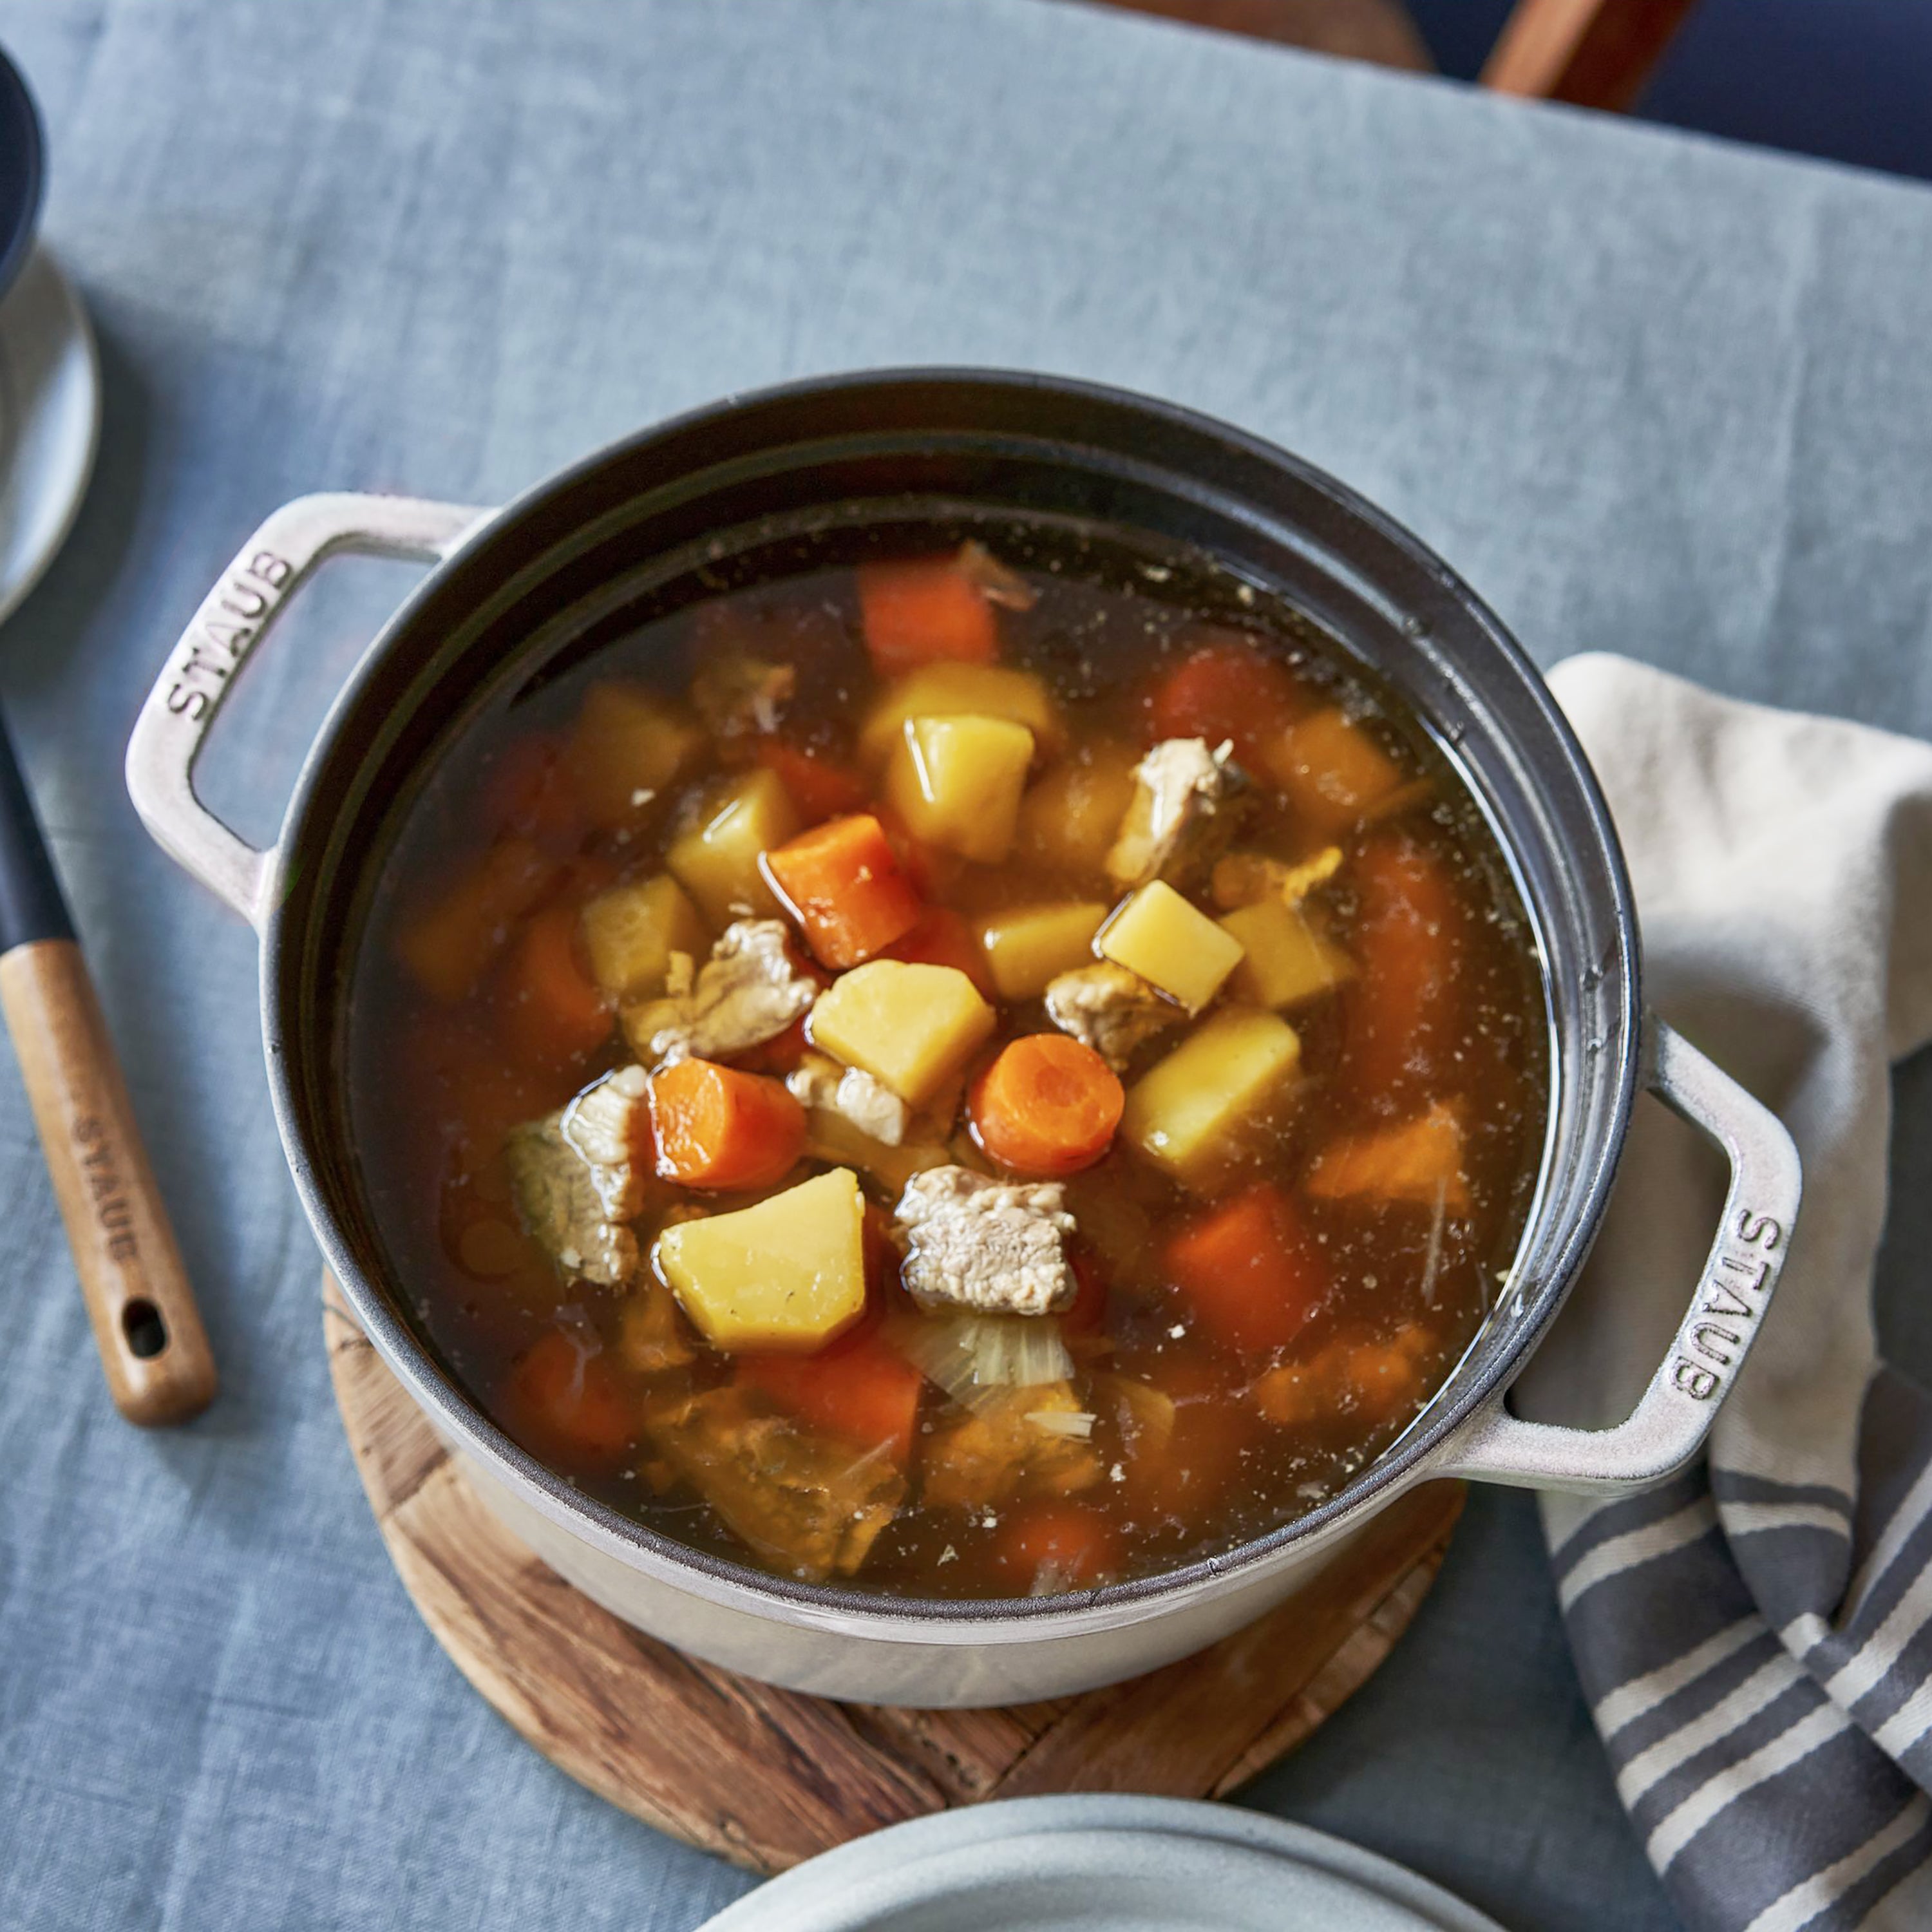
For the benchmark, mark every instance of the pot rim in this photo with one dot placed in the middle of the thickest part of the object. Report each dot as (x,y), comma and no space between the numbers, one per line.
(1414,1456)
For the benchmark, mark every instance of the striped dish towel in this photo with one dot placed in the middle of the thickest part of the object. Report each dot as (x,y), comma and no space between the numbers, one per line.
(1755,1638)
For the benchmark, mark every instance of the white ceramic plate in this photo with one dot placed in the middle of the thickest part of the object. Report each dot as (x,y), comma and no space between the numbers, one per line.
(1081,1864)
(49,421)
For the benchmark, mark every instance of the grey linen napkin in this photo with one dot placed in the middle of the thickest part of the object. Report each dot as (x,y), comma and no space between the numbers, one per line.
(1755,1637)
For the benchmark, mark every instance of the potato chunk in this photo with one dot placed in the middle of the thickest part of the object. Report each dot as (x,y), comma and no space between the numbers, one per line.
(1285,960)
(631,932)
(954,690)
(913,1027)
(789,1273)
(1185,1114)
(630,745)
(1171,944)
(1069,818)
(1334,773)
(1029,946)
(716,861)
(955,783)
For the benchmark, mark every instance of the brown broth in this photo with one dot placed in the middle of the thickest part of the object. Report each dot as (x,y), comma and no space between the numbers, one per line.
(1259,1435)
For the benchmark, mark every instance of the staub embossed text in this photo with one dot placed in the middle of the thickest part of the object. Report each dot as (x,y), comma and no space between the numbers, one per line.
(1729,1302)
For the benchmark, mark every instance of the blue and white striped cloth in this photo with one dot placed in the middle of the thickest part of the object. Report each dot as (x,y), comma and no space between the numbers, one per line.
(1755,1638)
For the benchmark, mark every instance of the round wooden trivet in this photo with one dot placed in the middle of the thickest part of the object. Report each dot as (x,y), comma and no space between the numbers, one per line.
(766,1777)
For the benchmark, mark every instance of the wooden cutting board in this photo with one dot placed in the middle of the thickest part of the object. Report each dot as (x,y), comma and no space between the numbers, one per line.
(765,1776)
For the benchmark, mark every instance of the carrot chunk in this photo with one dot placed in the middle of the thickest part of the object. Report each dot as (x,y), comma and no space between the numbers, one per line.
(866,1391)
(554,1013)
(1419,1161)
(929,611)
(1228,688)
(942,938)
(1250,1273)
(565,1400)
(845,887)
(1047,1105)
(1399,1018)
(718,1127)
(820,787)
(1056,1546)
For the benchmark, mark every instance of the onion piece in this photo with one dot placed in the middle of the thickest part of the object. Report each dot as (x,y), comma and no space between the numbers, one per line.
(1077,1425)
(975,1358)
(998,582)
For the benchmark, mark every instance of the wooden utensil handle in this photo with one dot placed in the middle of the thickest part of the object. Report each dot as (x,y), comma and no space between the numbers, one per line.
(153,1347)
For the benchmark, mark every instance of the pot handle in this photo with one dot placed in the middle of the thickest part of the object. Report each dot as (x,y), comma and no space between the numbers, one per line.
(1668,1425)
(270,568)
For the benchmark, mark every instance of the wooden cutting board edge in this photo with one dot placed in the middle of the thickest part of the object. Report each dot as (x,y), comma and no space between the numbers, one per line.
(765,1776)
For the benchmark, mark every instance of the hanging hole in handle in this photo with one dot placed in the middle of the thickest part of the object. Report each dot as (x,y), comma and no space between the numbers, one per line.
(147,1333)
(254,756)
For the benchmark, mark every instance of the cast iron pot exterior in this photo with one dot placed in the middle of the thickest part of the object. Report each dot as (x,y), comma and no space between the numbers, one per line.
(550,578)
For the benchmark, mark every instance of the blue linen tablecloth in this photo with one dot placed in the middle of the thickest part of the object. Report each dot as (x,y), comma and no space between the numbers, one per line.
(1648,394)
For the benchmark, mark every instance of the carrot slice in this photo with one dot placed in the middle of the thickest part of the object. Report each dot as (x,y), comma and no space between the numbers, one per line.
(564,1399)
(1399,1017)
(1251,1274)
(718,1127)
(1228,688)
(1060,1543)
(1048,1105)
(554,1013)
(819,786)
(867,1392)
(942,938)
(846,888)
(928,611)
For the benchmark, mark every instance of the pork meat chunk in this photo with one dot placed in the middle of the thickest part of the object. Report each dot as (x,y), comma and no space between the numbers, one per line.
(820,1082)
(561,1199)
(1188,802)
(609,1125)
(1106,1007)
(748,991)
(737,693)
(802,1501)
(996,1245)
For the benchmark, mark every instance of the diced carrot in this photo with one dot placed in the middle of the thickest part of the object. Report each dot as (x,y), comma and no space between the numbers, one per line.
(820,786)
(553,1011)
(845,887)
(449,944)
(1250,1273)
(717,1126)
(564,1399)
(943,938)
(1047,1105)
(1419,1161)
(867,1392)
(1228,688)
(1399,1017)
(529,793)
(1057,1544)
(928,611)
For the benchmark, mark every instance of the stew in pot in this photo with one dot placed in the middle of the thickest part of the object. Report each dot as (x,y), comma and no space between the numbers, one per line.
(959,1075)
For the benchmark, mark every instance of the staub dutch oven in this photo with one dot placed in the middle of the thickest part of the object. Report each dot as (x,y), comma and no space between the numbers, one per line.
(512,589)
